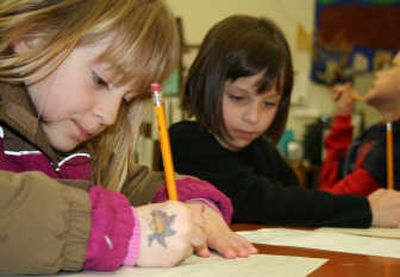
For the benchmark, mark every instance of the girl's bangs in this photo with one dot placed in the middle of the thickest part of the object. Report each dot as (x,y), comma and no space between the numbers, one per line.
(140,56)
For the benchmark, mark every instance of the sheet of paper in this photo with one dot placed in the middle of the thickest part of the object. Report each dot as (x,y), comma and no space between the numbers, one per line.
(255,265)
(333,241)
(369,232)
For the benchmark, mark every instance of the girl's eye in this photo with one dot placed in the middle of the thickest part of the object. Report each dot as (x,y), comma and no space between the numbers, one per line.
(99,81)
(269,104)
(236,98)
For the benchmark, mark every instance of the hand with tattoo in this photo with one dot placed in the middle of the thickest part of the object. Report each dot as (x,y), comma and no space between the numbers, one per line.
(170,231)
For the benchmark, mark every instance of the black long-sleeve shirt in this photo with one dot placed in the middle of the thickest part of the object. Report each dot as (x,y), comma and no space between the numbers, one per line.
(262,187)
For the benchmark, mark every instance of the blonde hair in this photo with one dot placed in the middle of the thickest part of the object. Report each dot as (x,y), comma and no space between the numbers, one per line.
(144,49)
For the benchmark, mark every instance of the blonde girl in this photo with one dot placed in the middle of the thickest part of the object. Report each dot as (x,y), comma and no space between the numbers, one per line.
(74,79)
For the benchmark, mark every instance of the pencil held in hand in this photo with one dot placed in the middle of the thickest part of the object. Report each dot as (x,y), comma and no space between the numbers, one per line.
(164,142)
(357,97)
(389,156)
(347,88)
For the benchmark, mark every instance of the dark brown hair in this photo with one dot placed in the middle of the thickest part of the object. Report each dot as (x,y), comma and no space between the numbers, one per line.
(238,46)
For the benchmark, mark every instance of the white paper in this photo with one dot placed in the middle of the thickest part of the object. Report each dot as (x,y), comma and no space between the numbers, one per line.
(255,265)
(332,241)
(369,232)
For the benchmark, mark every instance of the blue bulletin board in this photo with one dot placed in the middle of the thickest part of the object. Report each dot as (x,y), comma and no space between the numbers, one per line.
(353,37)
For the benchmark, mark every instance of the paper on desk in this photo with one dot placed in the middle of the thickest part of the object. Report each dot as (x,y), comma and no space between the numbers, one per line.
(332,241)
(369,232)
(255,265)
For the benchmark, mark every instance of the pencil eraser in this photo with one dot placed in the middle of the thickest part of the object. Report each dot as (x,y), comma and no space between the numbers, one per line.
(155,87)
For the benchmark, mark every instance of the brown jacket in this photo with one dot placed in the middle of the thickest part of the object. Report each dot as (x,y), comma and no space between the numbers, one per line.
(45,221)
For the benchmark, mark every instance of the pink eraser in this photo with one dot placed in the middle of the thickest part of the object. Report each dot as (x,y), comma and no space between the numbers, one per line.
(155,87)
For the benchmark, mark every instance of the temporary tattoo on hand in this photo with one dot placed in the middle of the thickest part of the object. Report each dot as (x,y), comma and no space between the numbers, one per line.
(161,226)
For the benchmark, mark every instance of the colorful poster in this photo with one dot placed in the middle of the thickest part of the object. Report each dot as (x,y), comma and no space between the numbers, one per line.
(353,37)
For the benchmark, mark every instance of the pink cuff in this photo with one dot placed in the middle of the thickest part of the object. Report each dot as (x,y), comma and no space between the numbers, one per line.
(134,243)
(112,225)
(207,202)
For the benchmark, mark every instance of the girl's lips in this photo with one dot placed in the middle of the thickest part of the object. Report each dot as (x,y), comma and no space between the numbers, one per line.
(244,134)
(83,134)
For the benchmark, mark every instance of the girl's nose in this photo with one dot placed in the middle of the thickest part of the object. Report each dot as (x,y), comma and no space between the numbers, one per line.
(108,109)
(252,114)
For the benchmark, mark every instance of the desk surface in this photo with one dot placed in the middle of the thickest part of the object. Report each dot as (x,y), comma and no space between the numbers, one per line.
(339,264)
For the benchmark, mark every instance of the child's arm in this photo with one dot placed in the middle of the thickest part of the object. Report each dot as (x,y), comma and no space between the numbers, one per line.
(44,226)
(336,145)
(359,182)
(151,235)
(47,227)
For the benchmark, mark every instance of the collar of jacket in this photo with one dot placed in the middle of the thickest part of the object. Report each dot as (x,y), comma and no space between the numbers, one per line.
(17,112)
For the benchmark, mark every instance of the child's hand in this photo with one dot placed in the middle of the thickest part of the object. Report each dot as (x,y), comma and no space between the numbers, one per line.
(345,96)
(221,238)
(385,207)
(169,233)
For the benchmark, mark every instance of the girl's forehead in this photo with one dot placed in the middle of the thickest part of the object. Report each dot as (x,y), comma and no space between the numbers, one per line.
(256,82)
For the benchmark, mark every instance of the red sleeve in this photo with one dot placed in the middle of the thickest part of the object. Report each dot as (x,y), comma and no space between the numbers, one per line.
(336,146)
(359,182)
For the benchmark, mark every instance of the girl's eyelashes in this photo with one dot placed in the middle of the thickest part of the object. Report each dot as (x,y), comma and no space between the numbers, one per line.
(269,104)
(236,97)
(99,80)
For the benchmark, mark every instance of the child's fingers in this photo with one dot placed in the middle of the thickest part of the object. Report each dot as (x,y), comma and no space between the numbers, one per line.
(341,87)
(199,241)
(199,237)
(231,246)
(202,251)
(246,247)
(197,211)
(240,246)
(336,95)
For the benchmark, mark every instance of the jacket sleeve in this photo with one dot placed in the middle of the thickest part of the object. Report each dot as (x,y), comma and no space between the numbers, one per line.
(336,145)
(142,185)
(359,182)
(112,224)
(257,199)
(47,227)
(44,225)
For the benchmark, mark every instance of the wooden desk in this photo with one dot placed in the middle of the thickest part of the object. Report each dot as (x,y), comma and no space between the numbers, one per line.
(339,264)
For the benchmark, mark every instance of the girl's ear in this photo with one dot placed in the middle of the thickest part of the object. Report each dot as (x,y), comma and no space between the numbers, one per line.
(25,43)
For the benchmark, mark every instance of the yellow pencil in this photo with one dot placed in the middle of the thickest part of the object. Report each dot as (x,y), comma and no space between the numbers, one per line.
(389,156)
(164,141)
(357,97)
